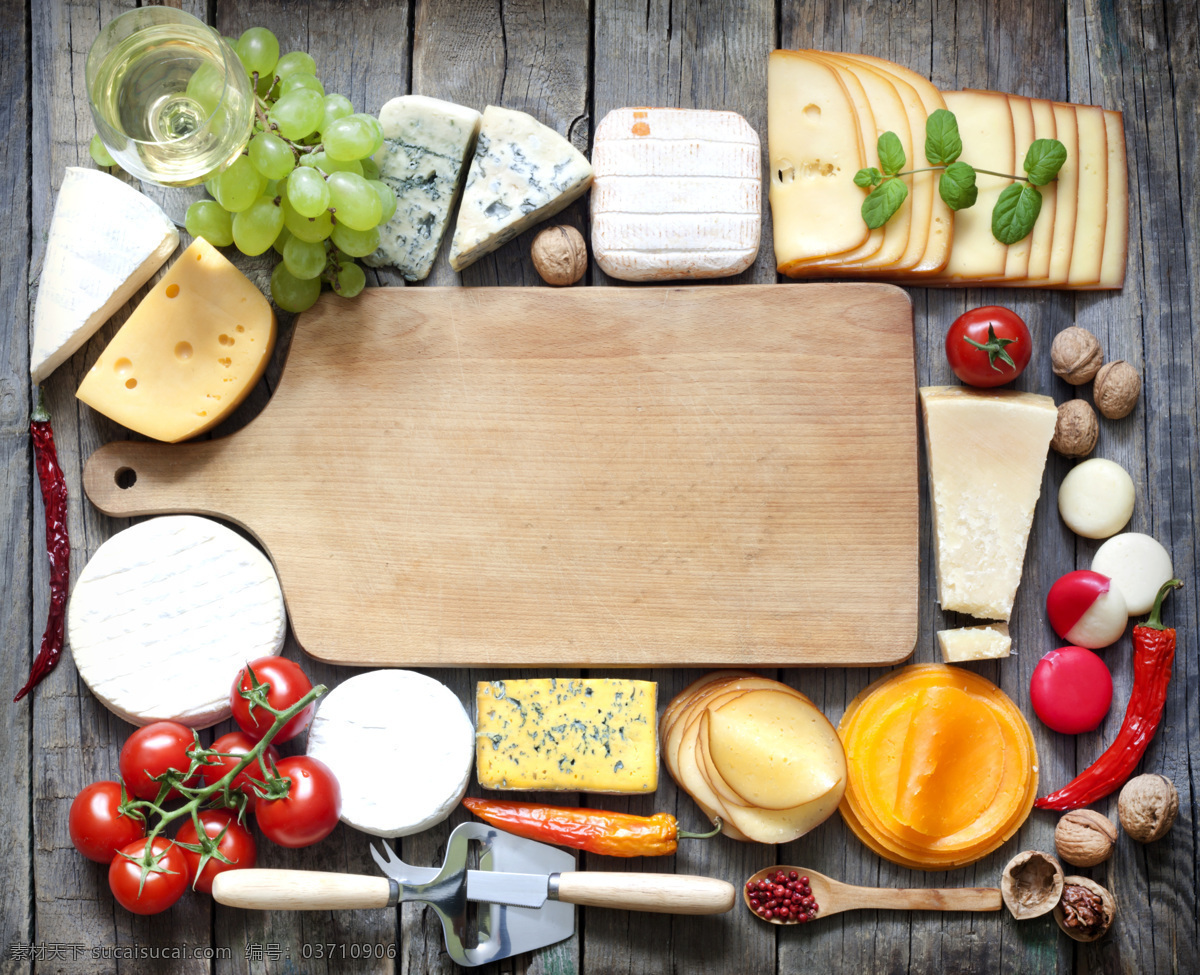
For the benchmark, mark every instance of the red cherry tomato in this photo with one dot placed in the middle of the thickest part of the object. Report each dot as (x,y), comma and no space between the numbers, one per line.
(237,743)
(97,826)
(981,342)
(237,845)
(310,810)
(152,750)
(165,882)
(288,684)
(1071,690)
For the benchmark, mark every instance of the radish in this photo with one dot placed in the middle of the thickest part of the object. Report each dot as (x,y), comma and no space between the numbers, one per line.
(1086,609)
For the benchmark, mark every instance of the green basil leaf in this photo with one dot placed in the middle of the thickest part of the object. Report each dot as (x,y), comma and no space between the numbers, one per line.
(942,142)
(957,186)
(868,177)
(891,154)
(882,203)
(1016,212)
(1044,159)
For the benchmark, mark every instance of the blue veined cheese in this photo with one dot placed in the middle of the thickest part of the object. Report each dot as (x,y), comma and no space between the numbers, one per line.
(567,735)
(426,142)
(522,173)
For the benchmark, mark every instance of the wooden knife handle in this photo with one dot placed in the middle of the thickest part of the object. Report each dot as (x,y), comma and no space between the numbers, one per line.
(660,893)
(301,890)
(930,899)
(131,478)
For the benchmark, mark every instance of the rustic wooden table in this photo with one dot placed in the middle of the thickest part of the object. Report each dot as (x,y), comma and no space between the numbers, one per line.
(569,62)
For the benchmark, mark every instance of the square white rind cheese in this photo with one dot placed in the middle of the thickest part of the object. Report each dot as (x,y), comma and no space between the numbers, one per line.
(106,240)
(678,194)
(425,148)
(522,172)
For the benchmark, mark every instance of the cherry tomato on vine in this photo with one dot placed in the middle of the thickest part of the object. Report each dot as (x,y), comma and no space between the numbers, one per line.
(166,880)
(288,684)
(97,826)
(309,812)
(237,845)
(988,346)
(152,750)
(237,743)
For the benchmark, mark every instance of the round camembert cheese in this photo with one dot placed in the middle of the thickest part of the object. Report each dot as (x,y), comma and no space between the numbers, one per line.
(165,614)
(401,746)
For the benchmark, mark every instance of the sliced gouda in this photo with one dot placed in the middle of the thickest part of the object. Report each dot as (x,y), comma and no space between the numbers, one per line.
(1091,215)
(1042,238)
(1116,232)
(1016,265)
(1067,199)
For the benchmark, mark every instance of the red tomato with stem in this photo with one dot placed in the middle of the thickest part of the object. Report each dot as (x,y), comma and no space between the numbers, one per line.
(988,346)
(97,826)
(237,845)
(288,684)
(166,879)
(237,744)
(310,810)
(152,750)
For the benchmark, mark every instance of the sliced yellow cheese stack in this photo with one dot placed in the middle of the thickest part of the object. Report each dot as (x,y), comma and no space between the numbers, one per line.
(190,352)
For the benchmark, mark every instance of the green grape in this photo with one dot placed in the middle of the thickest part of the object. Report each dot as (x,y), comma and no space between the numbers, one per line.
(350,279)
(319,160)
(370,168)
(239,185)
(336,106)
(354,202)
(375,128)
(259,50)
(348,138)
(281,240)
(307,192)
(291,293)
(311,229)
(272,188)
(298,80)
(386,198)
(210,220)
(298,113)
(295,62)
(99,153)
(256,227)
(206,87)
(355,243)
(304,259)
(271,156)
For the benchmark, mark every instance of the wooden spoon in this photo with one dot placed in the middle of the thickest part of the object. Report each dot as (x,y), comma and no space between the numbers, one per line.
(833,897)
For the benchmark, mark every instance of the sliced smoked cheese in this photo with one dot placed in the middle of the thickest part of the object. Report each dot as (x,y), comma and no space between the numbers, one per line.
(1042,238)
(1091,216)
(1016,264)
(676,194)
(1116,231)
(1067,199)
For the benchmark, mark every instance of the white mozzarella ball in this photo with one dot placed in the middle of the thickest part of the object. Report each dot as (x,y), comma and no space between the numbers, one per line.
(1137,565)
(1096,498)
(1103,622)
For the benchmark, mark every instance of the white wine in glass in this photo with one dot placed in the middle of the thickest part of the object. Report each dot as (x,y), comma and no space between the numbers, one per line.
(170,98)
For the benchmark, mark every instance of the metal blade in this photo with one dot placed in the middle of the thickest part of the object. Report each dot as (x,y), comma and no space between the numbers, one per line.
(514,889)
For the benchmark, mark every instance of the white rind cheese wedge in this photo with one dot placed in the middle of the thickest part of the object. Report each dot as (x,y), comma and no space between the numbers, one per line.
(401,746)
(677,194)
(106,240)
(522,173)
(426,142)
(986,451)
(164,615)
(988,642)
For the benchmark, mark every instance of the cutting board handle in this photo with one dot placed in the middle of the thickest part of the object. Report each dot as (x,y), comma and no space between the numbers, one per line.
(660,893)
(302,890)
(127,479)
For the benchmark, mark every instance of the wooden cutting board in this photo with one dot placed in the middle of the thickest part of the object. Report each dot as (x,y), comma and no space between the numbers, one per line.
(603,477)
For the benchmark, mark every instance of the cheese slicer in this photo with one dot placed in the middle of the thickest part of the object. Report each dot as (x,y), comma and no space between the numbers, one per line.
(525,891)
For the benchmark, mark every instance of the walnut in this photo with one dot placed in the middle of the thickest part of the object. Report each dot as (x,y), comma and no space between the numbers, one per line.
(1076,429)
(1076,355)
(1116,389)
(1086,910)
(559,255)
(1031,884)
(1147,806)
(1084,838)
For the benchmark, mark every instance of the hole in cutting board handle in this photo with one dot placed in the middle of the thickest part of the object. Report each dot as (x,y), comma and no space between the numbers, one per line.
(125,477)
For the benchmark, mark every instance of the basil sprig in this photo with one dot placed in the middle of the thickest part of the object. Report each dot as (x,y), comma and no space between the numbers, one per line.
(1017,208)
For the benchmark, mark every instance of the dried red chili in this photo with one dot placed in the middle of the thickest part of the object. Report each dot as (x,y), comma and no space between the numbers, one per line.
(58,545)
(1153,655)
(613,834)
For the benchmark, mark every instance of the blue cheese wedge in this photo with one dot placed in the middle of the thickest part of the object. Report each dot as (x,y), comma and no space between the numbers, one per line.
(522,173)
(426,143)
(567,735)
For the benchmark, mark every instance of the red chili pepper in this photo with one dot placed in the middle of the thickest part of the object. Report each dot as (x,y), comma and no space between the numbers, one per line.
(613,834)
(58,545)
(1153,654)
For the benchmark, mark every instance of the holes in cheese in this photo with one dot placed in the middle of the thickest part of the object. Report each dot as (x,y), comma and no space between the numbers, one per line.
(166,374)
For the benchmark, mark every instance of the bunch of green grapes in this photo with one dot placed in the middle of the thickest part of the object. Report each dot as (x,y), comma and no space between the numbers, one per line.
(304,184)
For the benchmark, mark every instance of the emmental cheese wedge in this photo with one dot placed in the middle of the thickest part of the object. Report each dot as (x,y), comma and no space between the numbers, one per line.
(986,452)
